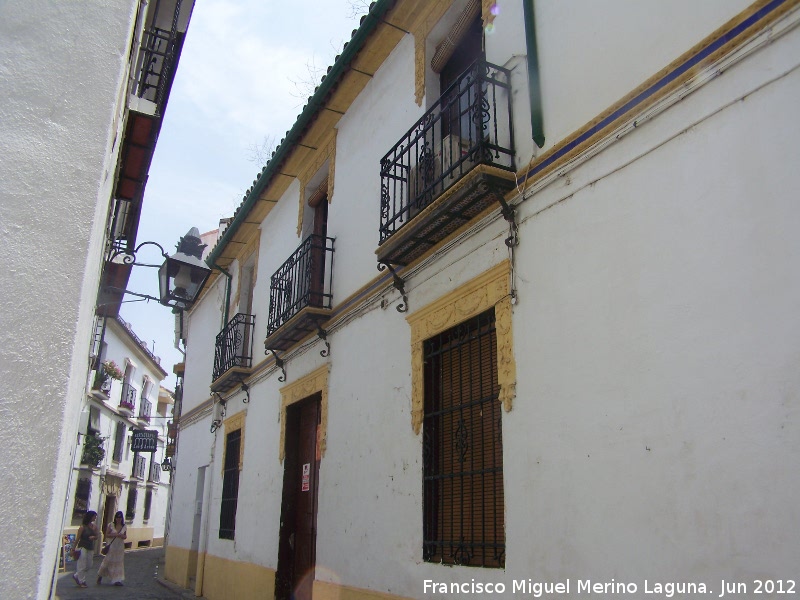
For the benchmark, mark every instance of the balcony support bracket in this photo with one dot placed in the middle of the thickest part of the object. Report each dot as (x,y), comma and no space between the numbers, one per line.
(246,390)
(280,364)
(399,285)
(323,335)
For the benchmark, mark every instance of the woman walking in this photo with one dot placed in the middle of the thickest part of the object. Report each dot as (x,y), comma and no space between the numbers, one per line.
(86,537)
(113,566)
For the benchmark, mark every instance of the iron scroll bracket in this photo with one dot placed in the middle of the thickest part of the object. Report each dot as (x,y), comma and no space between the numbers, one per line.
(246,390)
(398,284)
(323,335)
(279,362)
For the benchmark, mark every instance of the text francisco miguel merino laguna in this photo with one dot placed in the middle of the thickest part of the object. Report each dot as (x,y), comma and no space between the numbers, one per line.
(538,589)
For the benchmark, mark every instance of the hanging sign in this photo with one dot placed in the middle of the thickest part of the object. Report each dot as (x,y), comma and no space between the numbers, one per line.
(306,478)
(144,440)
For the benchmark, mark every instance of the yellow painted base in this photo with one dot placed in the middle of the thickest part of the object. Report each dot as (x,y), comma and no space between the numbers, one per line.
(332,591)
(180,563)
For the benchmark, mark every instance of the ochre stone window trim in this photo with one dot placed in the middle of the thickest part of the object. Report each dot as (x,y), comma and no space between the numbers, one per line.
(423,28)
(327,151)
(313,383)
(230,424)
(491,289)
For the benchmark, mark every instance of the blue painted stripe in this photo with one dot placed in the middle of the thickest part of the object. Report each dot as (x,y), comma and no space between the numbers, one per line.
(657,86)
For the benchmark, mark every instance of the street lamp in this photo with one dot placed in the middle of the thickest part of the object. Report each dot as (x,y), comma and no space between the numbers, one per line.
(183,274)
(181,277)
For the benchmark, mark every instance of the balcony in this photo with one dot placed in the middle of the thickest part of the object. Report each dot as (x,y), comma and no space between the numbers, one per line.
(233,357)
(452,165)
(300,293)
(139,466)
(155,473)
(145,408)
(127,401)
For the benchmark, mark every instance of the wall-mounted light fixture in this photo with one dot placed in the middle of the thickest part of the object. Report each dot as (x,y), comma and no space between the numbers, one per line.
(180,277)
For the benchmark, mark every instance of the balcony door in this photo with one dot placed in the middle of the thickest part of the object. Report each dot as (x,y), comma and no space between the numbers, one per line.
(319,203)
(457,121)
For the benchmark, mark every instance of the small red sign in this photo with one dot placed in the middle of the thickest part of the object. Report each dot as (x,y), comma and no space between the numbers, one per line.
(306,478)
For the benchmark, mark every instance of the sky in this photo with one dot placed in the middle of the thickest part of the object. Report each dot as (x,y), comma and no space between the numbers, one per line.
(245,74)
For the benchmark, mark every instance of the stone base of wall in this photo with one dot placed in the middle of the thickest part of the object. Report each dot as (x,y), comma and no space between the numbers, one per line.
(223,578)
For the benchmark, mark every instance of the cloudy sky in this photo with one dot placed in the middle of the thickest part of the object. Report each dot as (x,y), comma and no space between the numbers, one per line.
(245,74)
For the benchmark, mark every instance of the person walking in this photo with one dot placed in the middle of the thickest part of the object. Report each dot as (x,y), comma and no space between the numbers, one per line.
(86,537)
(113,566)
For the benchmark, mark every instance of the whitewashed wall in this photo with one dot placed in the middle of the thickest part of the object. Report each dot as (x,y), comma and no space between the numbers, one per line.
(591,54)
(63,69)
(655,429)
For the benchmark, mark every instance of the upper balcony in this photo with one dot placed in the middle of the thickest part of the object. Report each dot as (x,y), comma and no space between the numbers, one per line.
(300,293)
(453,164)
(233,357)
(145,408)
(127,400)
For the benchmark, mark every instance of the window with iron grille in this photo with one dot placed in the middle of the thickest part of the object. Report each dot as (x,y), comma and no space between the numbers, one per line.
(230,485)
(82,492)
(119,441)
(148,501)
(130,509)
(463,501)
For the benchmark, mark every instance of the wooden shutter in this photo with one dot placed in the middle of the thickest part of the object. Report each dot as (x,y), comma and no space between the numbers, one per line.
(463,452)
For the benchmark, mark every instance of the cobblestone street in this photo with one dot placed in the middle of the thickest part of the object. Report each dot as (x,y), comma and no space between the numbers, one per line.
(143,570)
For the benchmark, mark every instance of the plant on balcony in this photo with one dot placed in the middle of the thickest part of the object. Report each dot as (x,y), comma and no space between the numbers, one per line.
(108,370)
(93,451)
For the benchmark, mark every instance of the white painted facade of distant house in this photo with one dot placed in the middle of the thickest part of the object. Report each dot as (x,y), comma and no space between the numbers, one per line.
(645,325)
(124,480)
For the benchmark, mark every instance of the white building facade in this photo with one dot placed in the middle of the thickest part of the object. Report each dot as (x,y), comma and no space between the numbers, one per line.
(575,364)
(119,478)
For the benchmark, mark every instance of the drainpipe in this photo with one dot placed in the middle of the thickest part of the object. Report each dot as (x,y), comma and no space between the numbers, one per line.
(534,83)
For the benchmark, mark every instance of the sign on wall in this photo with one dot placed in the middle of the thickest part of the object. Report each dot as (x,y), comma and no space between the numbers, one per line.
(144,440)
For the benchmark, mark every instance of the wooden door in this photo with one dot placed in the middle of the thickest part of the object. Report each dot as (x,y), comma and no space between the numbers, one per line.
(297,543)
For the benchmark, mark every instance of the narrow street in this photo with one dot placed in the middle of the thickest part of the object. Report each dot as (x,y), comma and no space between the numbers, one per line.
(143,580)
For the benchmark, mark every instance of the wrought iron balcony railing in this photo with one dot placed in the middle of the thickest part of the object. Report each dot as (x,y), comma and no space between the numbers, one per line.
(158,55)
(145,408)
(128,398)
(139,466)
(234,347)
(304,280)
(469,125)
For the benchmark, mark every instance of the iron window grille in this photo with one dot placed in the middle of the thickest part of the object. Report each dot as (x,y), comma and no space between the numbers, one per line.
(469,124)
(130,509)
(234,345)
(304,280)
(463,501)
(148,501)
(230,485)
(83,491)
(119,441)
